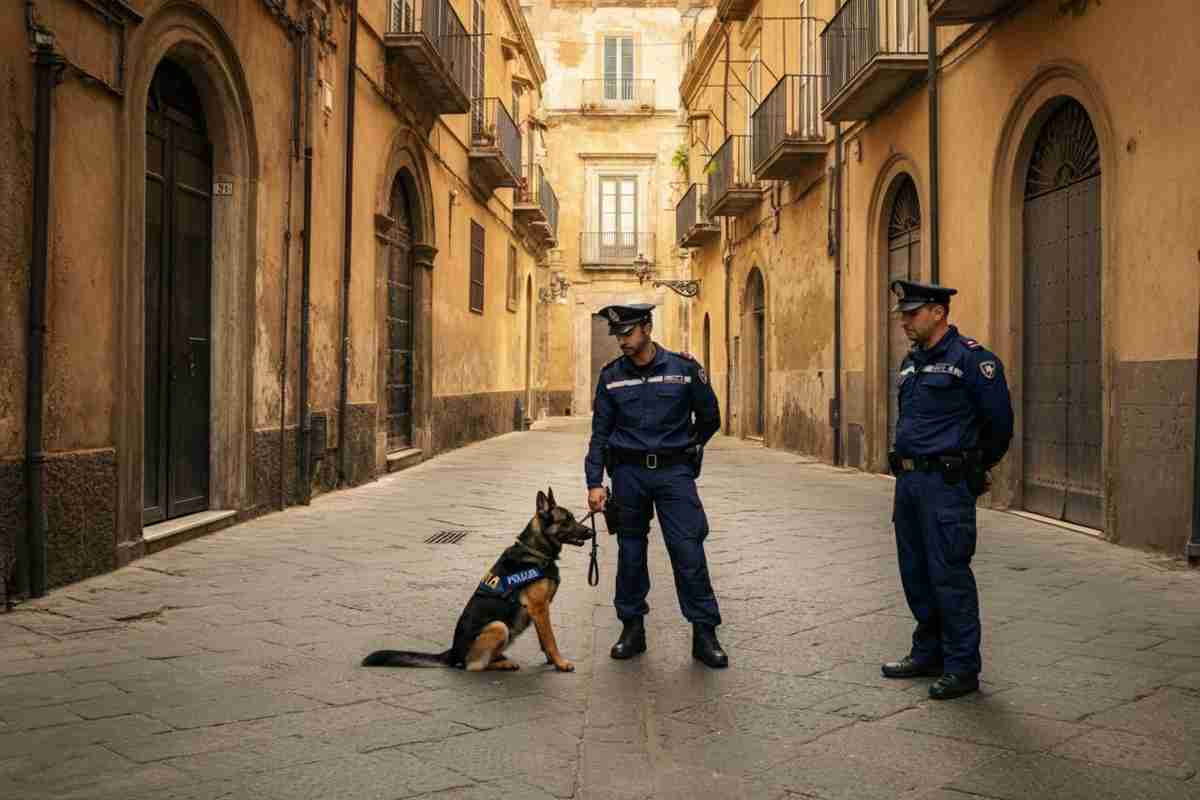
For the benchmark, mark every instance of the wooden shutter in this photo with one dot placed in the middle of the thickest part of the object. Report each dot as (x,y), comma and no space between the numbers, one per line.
(627,69)
(610,68)
(513,298)
(477,266)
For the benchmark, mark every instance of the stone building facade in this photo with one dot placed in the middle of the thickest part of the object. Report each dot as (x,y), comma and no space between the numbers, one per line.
(613,126)
(287,245)
(1065,216)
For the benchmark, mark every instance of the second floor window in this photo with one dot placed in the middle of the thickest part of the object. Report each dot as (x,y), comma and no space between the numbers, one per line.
(618,68)
(618,217)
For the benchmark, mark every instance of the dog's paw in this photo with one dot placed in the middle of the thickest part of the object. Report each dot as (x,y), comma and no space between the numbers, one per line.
(565,666)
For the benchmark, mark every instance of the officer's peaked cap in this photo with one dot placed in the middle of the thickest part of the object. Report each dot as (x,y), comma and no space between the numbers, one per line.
(622,319)
(911,295)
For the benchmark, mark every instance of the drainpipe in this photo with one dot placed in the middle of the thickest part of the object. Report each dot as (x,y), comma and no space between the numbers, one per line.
(1193,548)
(935,267)
(835,244)
(348,244)
(31,577)
(297,41)
(304,432)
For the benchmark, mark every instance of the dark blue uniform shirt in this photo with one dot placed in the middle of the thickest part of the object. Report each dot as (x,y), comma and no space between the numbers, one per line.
(650,409)
(953,397)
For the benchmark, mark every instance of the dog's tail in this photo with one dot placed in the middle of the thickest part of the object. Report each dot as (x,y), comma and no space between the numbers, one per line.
(406,658)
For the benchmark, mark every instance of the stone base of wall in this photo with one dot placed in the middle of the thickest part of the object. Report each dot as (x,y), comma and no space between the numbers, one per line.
(12,519)
(361,422)
(556,404)
(461,419)
(267,457)
(1155,440)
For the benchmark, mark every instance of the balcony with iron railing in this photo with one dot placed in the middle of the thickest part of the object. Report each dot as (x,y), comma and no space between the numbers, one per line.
(789,133)
(873,50)
(429,48)
(958,12)
(537,205)
(617,96)
(615,249)
(732,187)
(495,146)
(693,225)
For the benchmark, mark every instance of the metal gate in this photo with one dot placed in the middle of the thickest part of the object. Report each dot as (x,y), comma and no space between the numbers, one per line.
(903,263)
(1063,382)
(399,355)
(178,299)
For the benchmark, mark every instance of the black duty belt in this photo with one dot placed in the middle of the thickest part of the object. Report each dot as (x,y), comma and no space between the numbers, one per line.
(900,464)
(649,459)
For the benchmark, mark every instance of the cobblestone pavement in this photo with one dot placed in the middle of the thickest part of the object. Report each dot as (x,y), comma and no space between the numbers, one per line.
(227,667)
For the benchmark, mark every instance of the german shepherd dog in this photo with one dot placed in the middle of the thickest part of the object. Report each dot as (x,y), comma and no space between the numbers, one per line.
(517,589)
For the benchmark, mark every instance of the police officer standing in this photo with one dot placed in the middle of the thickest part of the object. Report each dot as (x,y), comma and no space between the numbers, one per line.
(643,432)
(956,421)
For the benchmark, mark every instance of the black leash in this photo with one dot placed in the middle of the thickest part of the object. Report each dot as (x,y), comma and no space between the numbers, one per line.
(594,564)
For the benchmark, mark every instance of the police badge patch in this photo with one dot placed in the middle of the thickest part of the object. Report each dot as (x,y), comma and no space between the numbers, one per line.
(988,368)
(703,376)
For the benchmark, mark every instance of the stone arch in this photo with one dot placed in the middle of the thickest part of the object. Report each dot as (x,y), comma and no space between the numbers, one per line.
(891,179)
(1043,94)
(405,169)
(193,39)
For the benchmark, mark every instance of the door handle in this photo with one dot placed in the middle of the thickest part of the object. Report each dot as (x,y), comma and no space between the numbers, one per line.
(193,341)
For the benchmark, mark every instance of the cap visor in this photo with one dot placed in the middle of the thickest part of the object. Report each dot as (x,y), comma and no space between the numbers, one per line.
(909,305)
(621,330)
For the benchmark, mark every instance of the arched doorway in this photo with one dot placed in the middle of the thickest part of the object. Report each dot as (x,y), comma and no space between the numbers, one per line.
(707,343)
(755,327)
(529,347)
(903,263)
(178,298)
(1063,380)
(399,355)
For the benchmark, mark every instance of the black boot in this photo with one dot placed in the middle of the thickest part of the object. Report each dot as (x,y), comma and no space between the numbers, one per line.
(632,641)
(706,647)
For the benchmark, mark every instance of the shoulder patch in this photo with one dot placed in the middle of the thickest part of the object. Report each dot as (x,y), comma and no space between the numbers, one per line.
(972,344)
(988,368)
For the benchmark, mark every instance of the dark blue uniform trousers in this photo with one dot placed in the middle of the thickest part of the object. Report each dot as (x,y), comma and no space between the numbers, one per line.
(672,492)
(935,538)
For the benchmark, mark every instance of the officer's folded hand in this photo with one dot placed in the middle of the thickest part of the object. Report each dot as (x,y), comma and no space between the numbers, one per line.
(596,498)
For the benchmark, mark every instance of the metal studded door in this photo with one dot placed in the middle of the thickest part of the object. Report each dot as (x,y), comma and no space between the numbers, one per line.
(399,356)
(1063,384)
(178,300)
(903,263)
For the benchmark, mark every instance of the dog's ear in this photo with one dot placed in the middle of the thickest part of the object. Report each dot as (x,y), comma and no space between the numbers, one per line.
(543,503)
(550,496)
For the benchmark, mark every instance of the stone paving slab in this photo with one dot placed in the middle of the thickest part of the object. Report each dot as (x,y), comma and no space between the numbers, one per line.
(227,667)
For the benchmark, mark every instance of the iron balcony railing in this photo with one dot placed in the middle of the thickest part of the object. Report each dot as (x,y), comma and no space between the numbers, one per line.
(549,202)
(618,94)
(790,113)
(617,248)
(863,30)
(493,126)
(731,168)
(537,191)
(692,211)
(440,24)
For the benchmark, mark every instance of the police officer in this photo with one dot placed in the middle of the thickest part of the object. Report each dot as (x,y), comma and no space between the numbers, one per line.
(956,421)
(644,433)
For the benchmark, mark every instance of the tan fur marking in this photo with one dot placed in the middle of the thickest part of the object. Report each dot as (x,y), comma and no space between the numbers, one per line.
(537,598)
(487,647)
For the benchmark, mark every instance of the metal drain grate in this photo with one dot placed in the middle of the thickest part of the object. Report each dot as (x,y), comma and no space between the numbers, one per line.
(447,537)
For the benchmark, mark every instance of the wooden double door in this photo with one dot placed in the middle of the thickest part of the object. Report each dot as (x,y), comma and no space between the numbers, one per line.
(178,269)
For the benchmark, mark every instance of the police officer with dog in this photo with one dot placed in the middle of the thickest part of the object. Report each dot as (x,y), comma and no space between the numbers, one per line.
(654,412)
(955,423)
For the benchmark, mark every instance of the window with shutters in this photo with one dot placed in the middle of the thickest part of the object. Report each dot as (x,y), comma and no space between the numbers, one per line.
(618,68)
(513,297)
(618,217)
(477,267)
